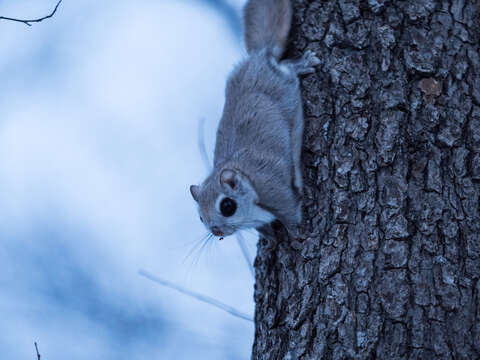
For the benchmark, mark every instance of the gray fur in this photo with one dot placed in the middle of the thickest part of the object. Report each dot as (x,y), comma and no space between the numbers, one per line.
(259,138)
(267,24)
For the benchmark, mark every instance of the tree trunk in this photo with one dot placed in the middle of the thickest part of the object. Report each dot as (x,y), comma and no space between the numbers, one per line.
(387,263)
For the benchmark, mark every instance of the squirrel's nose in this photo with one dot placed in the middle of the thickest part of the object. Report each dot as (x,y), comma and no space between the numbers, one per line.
(216,231)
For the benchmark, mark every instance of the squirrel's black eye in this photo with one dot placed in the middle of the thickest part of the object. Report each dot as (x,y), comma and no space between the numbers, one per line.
(228,207)
(201,219)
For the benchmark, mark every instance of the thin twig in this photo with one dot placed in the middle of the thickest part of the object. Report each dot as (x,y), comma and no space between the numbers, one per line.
(201,145)
(246,256)
(28,22)
(36,348)
(229,13)
(200,297)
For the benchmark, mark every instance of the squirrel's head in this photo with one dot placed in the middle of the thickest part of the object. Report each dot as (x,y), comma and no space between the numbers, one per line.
(227,202)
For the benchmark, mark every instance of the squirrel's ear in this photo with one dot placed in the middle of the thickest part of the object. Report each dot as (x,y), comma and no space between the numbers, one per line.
(229,178)
(194,190)
(236,182)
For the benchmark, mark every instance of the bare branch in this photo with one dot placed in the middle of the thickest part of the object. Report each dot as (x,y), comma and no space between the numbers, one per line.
(201,145)
(246,256)
(29,21)
(200,297)
(229,13)
(36,348)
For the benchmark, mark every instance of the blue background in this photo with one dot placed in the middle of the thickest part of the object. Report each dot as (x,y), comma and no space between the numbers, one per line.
(99,114)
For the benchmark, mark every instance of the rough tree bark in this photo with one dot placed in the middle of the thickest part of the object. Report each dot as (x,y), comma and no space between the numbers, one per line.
(387,264)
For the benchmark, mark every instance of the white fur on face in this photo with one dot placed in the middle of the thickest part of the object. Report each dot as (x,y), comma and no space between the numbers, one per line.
(262,216)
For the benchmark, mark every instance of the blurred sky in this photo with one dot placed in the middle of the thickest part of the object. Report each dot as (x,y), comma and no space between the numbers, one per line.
(99,113)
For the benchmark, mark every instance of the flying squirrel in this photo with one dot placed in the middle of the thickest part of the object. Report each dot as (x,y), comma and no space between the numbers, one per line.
(256,176)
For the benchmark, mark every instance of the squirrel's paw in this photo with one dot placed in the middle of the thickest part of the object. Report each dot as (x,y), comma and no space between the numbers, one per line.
(306,65)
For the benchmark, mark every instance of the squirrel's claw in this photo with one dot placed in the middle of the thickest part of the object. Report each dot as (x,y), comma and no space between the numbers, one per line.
(306,64)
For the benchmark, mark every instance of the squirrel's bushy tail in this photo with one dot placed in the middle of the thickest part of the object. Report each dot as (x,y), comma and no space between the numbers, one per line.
(267,24)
